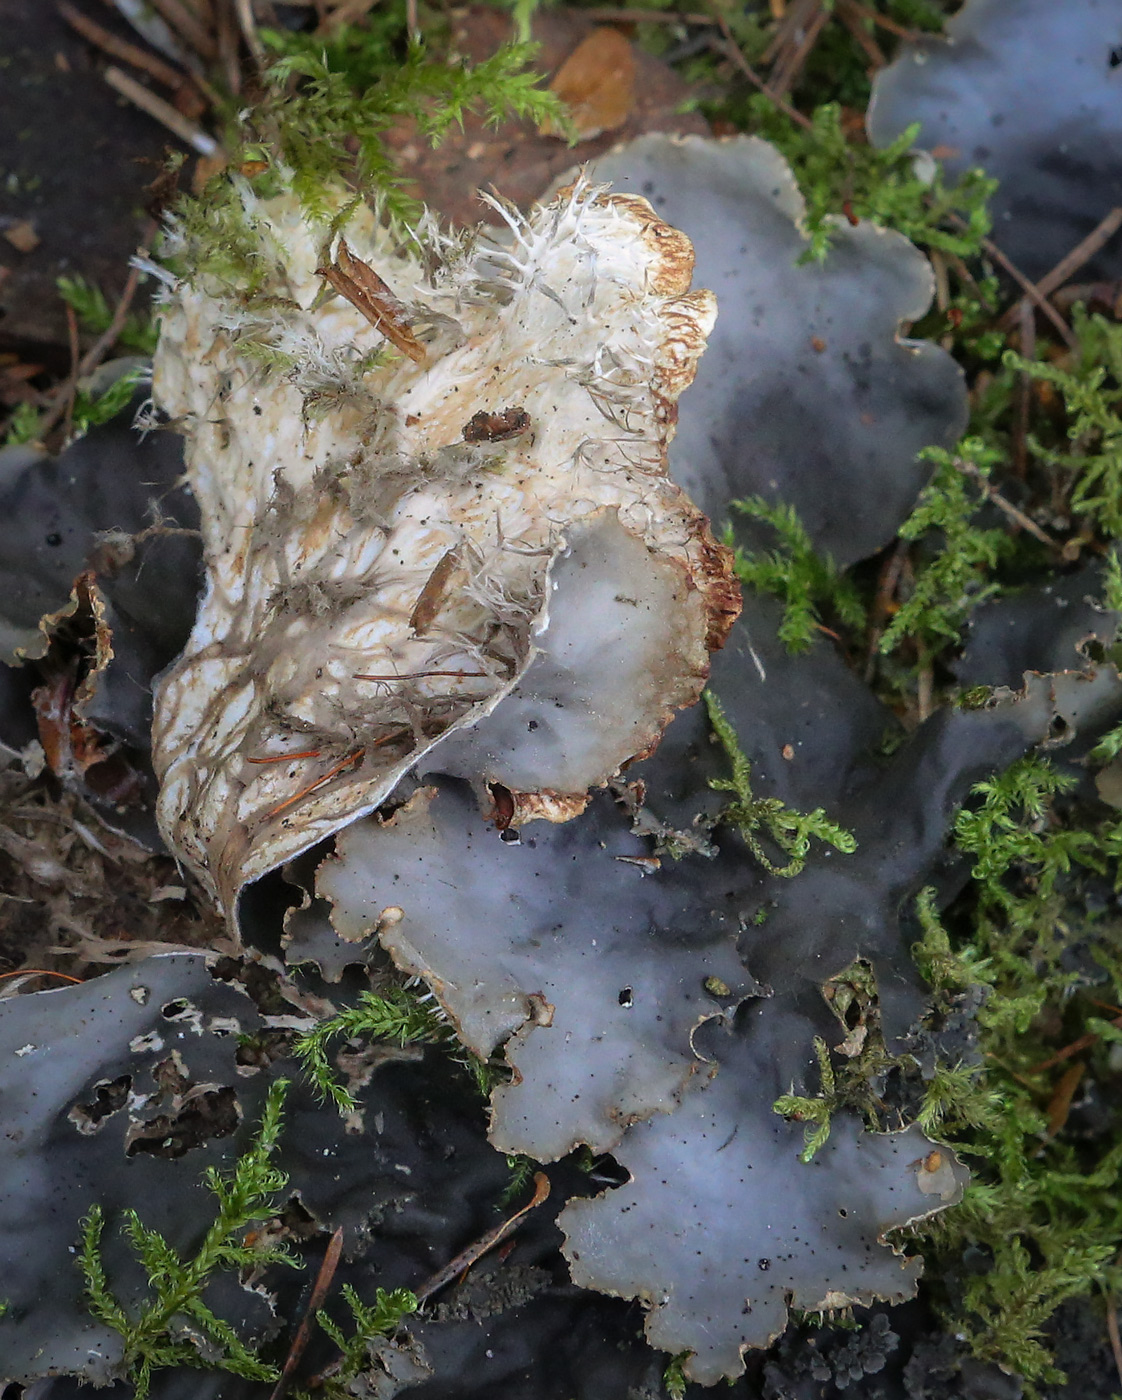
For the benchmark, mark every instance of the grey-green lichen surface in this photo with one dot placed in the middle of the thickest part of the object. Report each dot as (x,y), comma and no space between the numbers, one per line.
(453,593)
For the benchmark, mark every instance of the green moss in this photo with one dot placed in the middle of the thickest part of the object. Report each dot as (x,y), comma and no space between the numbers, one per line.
(957,570)
(218,243)
(522,1169)
(319,130)
(370,1324)
(1042,1209)
(396,1015)
(326,111)
(674,1376)
(790,831)
(850,1074)
(842,179)
(399,1014)
(154,1337)
(1090,385)
(807,584)
(815,1111)
(90,306)
(23,425)
(90,410)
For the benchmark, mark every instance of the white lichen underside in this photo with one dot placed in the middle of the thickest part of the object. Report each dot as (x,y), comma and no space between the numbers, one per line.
(351,531)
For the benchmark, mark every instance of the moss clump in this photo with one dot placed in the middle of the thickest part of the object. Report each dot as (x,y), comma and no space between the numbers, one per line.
(396,1015)
(808,585)
(791,831)
(843,178)
(1088,469)
(1033,930)
(154,1337)
(370,1324)
(957,570)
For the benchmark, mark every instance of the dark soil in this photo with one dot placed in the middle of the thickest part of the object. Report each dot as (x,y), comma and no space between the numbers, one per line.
(74,161)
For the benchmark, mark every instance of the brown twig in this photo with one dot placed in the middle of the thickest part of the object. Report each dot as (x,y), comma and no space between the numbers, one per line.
(731,49)
(287,757)
(1017,516)
(1029,289)
(1082,253)
(851,16)
(1084,1042)
(1026,286)
(790,64)
(352,760)
(925,686)
(467,1257)
(609,16)
(972,282)
(1059,1104)
(75,368)
(884,22)
(104,343)
(1109,293)
(144,98)
(38,972)
(187,26)
(464,1260)
(345,12)
(227,29)
(109,43)
(1024,390)
(1021,1079)
(420,676)
(886,587)
(942,281)
(789,20)
(1070,264)
(1112,1333)
(315,1302)
(248,25)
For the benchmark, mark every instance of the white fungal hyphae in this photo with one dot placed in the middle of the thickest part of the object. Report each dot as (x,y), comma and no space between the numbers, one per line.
(381,516)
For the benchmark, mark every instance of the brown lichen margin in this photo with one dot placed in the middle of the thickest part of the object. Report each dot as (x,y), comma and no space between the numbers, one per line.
(720,587)
(671,252)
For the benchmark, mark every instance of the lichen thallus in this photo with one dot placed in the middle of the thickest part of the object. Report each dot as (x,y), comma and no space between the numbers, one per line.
(356,281)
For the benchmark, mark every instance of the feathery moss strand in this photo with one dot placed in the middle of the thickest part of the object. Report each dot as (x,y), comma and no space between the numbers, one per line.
(791,831)
(394,1014)
(798,576)
(246,1197)
(958,575)
(372,1323)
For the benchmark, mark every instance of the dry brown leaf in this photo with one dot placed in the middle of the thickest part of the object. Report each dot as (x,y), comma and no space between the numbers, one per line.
(597,84)
(22,236)
(514,158)
(1059,1105)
